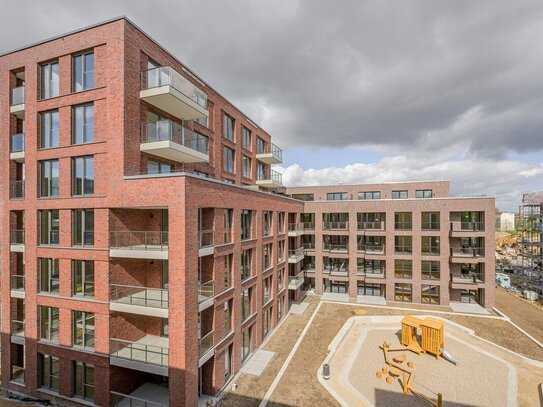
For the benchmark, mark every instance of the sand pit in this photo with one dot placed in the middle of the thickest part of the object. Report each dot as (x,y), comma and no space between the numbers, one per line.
(480,379)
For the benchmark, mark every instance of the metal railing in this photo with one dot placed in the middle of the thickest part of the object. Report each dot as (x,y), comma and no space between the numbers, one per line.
(166,75)
(227,325)
(333,270)
(17,189)
(468,252)
(467,278)
(308,267)
(138,240)
(17,96)
(18,282)
(273,149)
(137,295)
(343,225)
(17,328)
(293,281)
(17,143)
(375,273)
(370,248)
(124,400)
(17,374)
(295,227)
(152,354)
(206,238)
(274,176)
(308,245)
(206,291)
(336,247)
(309,225)
(467,226)
(378,225)
(17,236)
(206,343)
(165,130)
(296,252)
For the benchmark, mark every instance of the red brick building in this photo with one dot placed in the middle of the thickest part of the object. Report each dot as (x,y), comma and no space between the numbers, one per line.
(144,255)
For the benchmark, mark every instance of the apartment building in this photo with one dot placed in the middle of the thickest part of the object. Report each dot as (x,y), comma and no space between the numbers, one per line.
(396,242)
(144,255)
(530,227)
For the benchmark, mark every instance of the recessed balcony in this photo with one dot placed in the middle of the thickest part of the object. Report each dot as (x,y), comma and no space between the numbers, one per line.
(17,148)
(17,103)
(273,179)
(139,300)
(17,189)
(295,229)
(207,343)
(17,328)
(206,242)
(18,286)
(467,229)
(170,140)
(294,282)
(206,293)
(295,256)
(147,354)
(371,226)
(468,254)
(171,92)
(336,247)
(271,154)
(139,244)
(17,240)
(147,395)
(465,281)
(371,249)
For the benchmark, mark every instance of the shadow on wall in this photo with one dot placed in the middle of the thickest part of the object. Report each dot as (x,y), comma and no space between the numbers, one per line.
(395,399)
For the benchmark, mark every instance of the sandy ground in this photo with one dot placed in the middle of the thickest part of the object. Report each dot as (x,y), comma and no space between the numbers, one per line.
(529,317)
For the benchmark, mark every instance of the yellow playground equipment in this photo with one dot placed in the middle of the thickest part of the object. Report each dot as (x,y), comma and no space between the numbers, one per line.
(432,333)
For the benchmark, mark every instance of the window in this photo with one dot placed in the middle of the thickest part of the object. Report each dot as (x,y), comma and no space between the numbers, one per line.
(261,172)
(335,220)
(49,129)
(83,227)
(430,245)
(266,256)
(403,268)
(246,224)
(83,124)
(430,270)
(49,80)
(83,329)
(268,320)
(423,193)
(83,71)
(430,221)
(281,222)
(260,146)
(246,166)
(246,259)
(403,244)
(246,345)
(370,220)
(370,289)
(430,294)
(369,195)
(49,275)
(83,277)
(246,298)
(83,176)
(370,266)
(228,128)
(228,271)
(49,227)
(403,220)
(49,372)
(156,167)
(280,279)
(48,173)
(49,322)
(399,194)
(228,160)
(228,224)
(281,250)
(227,317)
(202,121)
(304,197)
(228,363)
(245,138)
(267,222)
(336,196)
(84,381)
(403,292)
(267,289)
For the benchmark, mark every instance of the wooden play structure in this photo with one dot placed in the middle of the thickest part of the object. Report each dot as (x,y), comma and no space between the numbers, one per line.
(432,333)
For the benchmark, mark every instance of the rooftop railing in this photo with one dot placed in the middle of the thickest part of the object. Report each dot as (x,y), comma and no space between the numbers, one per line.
(138,240)
(137,295)
(168,130)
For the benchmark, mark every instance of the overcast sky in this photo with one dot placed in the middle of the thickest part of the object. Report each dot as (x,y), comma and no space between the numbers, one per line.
(356,91)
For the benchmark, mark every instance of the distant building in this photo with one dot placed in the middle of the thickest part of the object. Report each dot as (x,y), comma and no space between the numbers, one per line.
(507,221)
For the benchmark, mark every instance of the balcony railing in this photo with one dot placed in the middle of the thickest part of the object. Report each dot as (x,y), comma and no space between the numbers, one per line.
(17,236)
(379,225)
(294,281)
(227,325)
(335,225)
(152,354)
(18,282)
(271,149)
(274,176)
(467,278)
(17,374)
(336,247)
(467,226)
(17,189)
(206,238)
(207,343)
(17,328)
(296,252)
(124,400)
(295,227)
(137,295)
(308,245)
(367,248)
(375,273)
(17,96)
(468,252)
(206,291)
(17,143)
(144,240)
(309,225)
(333,270)
(166,75)
(308,267)
(168,130)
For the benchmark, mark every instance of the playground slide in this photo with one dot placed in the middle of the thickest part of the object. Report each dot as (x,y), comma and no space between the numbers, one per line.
(449,357)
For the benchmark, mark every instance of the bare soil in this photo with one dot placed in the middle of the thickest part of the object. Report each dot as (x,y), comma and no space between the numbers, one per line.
(523,313)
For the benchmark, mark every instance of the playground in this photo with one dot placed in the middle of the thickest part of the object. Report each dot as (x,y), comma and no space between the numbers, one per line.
(408,361)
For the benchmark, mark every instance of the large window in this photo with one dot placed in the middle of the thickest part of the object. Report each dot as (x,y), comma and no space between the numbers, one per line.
(246,343)
(246,166)
(83,277)
(49,275)
(49,372)
(260,146)
(228,224)
(369,195)
(430,245)
(336,196)
(228,160)
(246,306)
(48,173)
(49,80)
(49,133)
(83,176)
(156,167)
(83,329)
(430,270)
(245,138)
(228,271)
(228,127)
(246,224)
(49,227)
(403,268)
(430,221)
(403,220)
(403,292)
(83,227)
(304,197)
(83,124)
(83,71)
(430,294)
(267,222)
(246,259)
(399,194)
(227,317)
(49,323)
(266,256)
(84,381)
(423,193)
(267,289)
(403,244)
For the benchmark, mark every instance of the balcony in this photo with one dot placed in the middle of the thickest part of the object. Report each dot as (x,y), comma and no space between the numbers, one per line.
(336,271)
(309,226)
(17,375)
(17,103)
(148,354)
(17,148)
(336,247)
(206,293)
(17,190)
(139,300)
(371,273)
(139,245)
(18,286)
(206,242)
(294,282)
(371,226)
(17,240)
(466,229)
(272,180)
(295,229)
(308,267)
(344,225)
(469,281)
(207,342)
(144,396)
(171,92)
(295,256)
(270,155)
(308,246)
(467,253)
(18,328)
(170,140)
(371,249)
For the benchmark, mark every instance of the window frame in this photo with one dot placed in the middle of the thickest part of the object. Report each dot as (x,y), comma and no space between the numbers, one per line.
(84,124)
(86,169)
(83,55)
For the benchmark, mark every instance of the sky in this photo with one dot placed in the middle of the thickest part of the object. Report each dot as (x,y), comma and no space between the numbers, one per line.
(356,91)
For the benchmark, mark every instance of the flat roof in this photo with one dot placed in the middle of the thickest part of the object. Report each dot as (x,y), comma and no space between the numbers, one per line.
(370,183)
